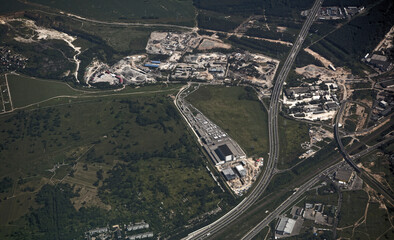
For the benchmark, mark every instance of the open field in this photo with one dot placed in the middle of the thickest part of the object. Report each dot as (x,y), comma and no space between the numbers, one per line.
(174,11)
(353,207)
(139,138)
(291,135)
(27,90)
(362,217)
(378,163)
(238,112)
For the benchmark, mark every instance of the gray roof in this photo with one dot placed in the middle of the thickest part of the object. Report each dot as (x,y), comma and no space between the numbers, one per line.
(229,174)
(343,175)
(286,225)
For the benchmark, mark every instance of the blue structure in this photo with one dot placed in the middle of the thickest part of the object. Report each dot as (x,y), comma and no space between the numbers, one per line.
(151,65)
(155,62)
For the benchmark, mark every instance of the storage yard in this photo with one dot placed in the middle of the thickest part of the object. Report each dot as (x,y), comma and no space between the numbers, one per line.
(228,157)
(256,69)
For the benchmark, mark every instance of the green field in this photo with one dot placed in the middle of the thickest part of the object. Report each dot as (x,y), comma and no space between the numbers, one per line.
(151,168)
(355,210)
(179,12)
(238,111)
(27,90)
(291,135)
(353,207)
(378,162)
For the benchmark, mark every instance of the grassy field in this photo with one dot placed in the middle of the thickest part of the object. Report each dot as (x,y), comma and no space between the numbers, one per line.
(174,11)
(291,135)
(27,90)
(353,207)
(138,139)
(372,219)
(238,112)
(263,234)
(378,162)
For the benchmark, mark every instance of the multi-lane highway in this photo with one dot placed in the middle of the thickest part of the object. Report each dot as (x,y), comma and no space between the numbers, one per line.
(263,182)
(350,160)
(290,200)
(301,190)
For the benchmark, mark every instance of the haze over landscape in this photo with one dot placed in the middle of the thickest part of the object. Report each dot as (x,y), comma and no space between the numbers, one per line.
(196,119)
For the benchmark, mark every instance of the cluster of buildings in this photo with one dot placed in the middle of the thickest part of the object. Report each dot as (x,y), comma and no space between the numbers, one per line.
(335,13)
(379,62)
(220,147)
(228,157)
(129,70)
(130,232)
(181,65)
(256,69)
(10,61)
(382,106)
(168,43)
(316,101)
(203,67)
(317,213)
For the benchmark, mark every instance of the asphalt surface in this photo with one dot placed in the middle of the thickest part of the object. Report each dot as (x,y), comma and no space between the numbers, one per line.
(376,185)
(290,200)
(263,182)
(301,190)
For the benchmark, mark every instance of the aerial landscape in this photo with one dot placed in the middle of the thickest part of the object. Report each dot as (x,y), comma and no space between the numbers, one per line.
(196,119)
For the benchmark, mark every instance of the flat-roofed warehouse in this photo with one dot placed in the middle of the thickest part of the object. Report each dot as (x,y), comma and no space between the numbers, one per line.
(229,174)
(285,226)
(224,153)
(241,170)
(343,176)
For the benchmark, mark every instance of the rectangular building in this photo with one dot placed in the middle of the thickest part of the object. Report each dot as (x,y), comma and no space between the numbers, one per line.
(224,153)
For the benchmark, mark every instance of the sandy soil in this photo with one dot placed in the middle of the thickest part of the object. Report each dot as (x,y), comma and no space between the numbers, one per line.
(45,34)
(387,41)
(209,43)
(323,60)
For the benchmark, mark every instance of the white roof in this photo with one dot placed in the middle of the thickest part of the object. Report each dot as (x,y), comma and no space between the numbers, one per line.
(286,225)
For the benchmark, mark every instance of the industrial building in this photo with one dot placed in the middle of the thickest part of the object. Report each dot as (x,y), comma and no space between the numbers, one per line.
(224,153)
(241,171)
(229,174)
(285,226)
(343,176)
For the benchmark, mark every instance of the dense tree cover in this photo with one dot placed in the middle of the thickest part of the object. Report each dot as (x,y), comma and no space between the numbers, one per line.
(364,32)
(247,7)
(5,184)
(56,218)
(139,185)
(215,22)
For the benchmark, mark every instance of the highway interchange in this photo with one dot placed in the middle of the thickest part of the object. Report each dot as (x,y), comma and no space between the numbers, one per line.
(263,182)
(350,160)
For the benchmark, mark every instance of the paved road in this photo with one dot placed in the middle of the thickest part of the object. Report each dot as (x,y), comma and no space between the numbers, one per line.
(376,185)
(305,187)
(263,182)
(290,200)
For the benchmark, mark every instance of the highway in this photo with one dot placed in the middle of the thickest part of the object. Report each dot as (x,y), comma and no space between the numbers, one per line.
(364,175)
(263,182)
(301,190)
(290,200)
